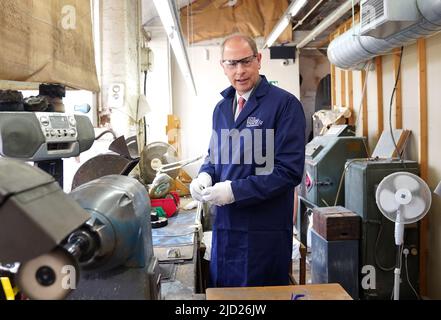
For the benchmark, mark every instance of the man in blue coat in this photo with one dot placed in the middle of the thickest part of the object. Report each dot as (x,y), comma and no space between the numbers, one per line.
(256,158)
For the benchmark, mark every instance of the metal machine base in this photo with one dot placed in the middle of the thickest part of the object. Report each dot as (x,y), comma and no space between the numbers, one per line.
(120,284)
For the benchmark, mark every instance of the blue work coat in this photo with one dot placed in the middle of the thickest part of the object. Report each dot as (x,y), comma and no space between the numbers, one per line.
(252,237)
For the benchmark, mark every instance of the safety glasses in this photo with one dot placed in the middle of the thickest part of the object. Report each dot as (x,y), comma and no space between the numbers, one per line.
(245,62)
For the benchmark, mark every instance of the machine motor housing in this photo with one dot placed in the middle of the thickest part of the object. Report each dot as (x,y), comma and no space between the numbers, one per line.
(124,265)
(325,158)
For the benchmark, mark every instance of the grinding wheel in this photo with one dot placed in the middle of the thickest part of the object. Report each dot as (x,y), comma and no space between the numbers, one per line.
(154,156)
(132,145)
(49,276)
(99,166)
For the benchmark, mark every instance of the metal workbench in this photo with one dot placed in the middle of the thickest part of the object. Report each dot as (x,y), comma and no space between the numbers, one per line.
(176,246)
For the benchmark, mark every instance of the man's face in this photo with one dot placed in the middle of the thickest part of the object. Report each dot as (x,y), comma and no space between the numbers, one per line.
(240,65)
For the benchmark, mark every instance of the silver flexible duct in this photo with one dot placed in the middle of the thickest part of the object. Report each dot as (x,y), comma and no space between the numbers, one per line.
(352,51)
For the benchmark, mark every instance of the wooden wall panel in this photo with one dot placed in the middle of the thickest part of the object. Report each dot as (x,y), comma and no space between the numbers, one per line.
(364,112)
(379,72)
(351,97)
(423,155)
(333,87)
(343,88)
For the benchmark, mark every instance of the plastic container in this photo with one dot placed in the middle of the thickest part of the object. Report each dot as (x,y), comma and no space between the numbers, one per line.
(170,204)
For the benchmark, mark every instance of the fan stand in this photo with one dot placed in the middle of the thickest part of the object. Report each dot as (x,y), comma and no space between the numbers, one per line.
(399,240)
(403,198)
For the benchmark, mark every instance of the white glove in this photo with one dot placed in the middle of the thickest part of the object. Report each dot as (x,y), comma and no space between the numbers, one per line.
(219,195)
(199,184)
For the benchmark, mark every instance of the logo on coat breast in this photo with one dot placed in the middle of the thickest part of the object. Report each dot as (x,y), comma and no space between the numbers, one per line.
(254,122)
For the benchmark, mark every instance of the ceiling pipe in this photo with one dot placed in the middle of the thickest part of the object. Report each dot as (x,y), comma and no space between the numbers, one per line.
(327,22)
(299,23)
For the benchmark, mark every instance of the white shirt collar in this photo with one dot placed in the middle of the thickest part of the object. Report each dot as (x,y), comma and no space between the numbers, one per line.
(246,95)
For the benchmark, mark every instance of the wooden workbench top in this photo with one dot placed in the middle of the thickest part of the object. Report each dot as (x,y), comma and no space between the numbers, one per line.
(329,291)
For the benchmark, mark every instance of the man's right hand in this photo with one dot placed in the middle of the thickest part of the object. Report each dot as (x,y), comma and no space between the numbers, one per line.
(199,184)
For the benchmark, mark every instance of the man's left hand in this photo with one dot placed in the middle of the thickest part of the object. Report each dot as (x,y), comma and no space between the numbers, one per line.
(219,195)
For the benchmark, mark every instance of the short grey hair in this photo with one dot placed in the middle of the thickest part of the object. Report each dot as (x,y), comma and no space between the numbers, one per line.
(248,39)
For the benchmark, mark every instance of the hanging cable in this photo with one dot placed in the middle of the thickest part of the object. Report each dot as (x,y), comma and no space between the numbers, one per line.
(347,165)
(145,82)
(407,277)
(367,68)
(391,103)
(377,241)
(143,119)
(105,132)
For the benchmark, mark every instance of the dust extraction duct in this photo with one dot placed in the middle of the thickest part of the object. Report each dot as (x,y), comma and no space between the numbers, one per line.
(352,50)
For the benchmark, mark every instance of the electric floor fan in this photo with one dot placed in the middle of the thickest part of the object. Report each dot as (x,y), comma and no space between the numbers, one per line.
(402,198)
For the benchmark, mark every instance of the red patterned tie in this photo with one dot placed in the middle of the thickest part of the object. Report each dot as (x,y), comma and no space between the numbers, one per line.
(240,104)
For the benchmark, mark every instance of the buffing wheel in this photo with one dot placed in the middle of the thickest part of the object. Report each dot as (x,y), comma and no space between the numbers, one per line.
(49,276)
(155,155)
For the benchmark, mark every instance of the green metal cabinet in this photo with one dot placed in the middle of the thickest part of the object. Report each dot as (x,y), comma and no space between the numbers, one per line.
(377,244)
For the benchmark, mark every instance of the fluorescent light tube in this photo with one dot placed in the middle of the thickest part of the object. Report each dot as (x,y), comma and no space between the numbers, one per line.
(291,11)
(277,31)
(170,21)
(296,6)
